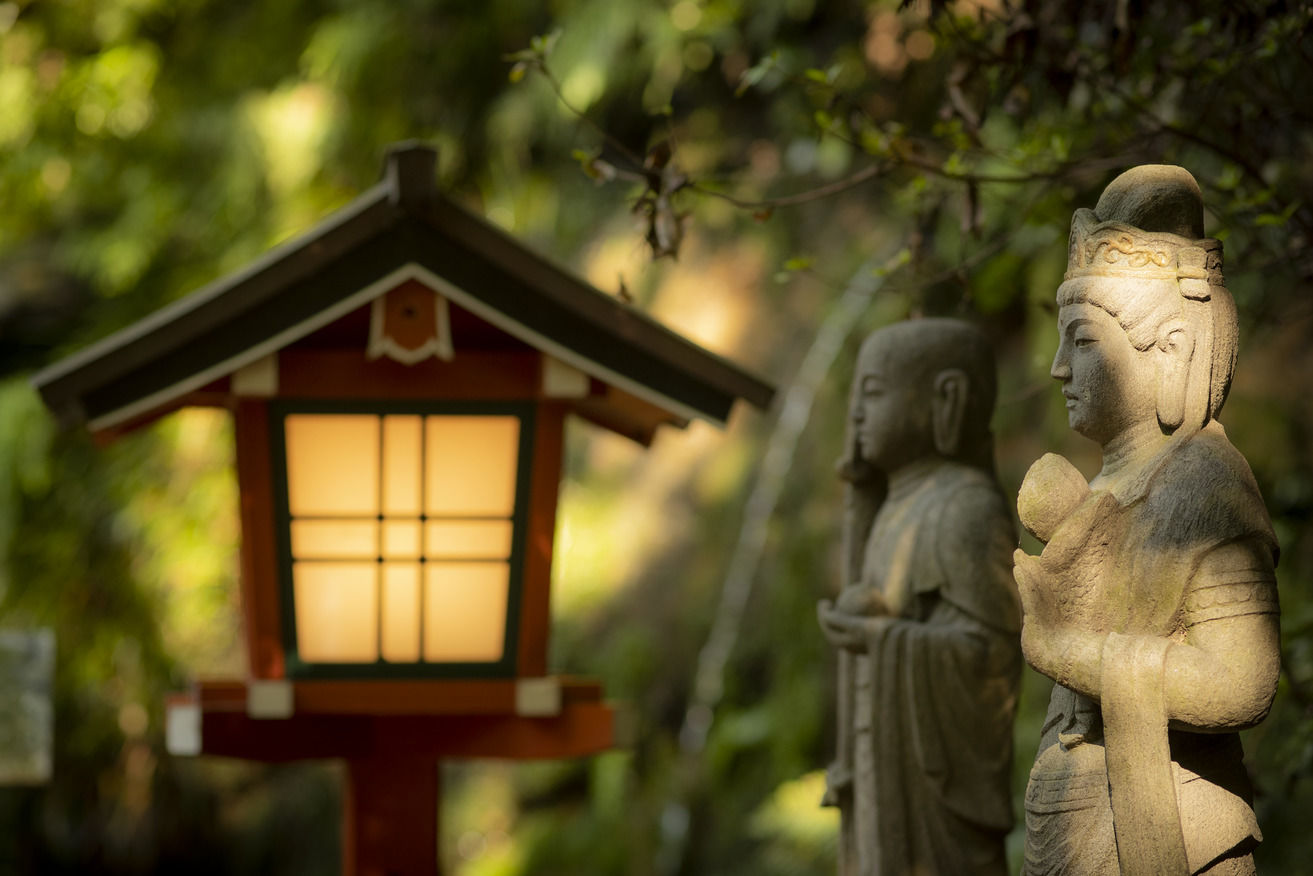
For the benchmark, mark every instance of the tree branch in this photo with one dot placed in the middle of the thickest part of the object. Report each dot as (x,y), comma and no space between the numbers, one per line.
(864,175)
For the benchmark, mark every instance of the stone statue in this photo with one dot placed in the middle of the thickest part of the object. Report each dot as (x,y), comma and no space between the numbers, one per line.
(1154,603)
(927,624)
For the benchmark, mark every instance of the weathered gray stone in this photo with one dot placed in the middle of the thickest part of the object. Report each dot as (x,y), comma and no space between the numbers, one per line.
(1153,605)
(27,673)
(927,624)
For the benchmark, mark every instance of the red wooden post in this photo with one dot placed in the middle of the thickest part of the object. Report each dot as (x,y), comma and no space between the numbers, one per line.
(390,817)
(259,582)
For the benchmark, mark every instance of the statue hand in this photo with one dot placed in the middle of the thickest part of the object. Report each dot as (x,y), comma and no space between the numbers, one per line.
(862,600)
(1042,621)
(848,631)
(1059,636)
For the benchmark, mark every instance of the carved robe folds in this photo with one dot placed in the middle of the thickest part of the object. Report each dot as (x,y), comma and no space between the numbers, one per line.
(1189,544)
(935,693)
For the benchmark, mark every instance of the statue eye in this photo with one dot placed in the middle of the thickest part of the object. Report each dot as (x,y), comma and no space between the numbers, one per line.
(871,386)
(1082,339)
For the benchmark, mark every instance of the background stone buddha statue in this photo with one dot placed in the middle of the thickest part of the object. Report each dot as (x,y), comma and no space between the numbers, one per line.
(927,626)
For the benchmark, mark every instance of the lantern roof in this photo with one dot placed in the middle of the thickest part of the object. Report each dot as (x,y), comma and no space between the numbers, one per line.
(401,229)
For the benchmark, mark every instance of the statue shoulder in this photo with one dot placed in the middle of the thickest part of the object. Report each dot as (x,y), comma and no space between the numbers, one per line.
(971,501)
(1206,492)
(972,543)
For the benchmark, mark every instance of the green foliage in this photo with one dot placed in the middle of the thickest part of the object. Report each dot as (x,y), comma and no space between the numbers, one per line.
(147,148)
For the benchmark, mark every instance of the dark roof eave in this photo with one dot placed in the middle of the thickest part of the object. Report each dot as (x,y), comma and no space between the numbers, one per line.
(175,325)
(604,311)
(698,379)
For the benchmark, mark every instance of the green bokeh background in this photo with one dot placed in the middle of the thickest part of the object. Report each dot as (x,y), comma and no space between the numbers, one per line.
(147,147)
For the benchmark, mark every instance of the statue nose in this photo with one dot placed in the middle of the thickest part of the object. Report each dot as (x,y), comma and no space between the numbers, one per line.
(1060,369)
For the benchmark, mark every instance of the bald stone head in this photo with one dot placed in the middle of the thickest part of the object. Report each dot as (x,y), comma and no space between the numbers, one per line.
(923,388)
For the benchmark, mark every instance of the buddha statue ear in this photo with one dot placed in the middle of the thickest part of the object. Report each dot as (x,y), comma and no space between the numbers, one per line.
(948,410)
(1174,350)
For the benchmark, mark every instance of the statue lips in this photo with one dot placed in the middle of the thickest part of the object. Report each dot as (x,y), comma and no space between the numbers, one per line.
(1072,402)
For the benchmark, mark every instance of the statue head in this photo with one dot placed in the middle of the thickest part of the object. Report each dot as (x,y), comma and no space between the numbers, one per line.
(1139,262)
(923,388)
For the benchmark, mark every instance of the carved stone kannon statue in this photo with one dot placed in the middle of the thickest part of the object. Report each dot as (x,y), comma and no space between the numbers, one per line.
(1154,603)
(927,623)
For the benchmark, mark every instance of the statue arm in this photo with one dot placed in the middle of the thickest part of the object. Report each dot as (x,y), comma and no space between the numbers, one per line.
(1222,675)
(1225,674)
(848,630)
(945,620)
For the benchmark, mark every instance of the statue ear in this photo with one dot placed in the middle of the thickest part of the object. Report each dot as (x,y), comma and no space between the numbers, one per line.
(1174,350)
(948,409)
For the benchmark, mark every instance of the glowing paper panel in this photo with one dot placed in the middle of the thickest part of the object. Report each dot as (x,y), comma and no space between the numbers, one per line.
(465,611)
(468,539)
(470,466)
(336,612)
(401,612)
(401,533)
(401,458)
(332,464)
(334,539)
(401,539)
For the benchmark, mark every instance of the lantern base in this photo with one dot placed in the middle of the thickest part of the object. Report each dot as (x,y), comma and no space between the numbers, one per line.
(392,735)
(548,718)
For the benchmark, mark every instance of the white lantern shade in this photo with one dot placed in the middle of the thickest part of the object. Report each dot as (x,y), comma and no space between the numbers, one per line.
(401,530)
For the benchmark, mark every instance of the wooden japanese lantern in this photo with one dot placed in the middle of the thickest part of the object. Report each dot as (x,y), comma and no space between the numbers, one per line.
(398,379)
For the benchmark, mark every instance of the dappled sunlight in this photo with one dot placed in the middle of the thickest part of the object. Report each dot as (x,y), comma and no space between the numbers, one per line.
(488,829)
(292,123)
(529,209)
(190,533)
(793,815)
(710,295)
(149,147)
(116,90)
(478,819)
(619,258)
(584,84)
(17,105)
(627,504)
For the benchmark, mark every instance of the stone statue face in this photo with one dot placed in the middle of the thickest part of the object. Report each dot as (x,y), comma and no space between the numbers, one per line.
(890,418)
(1109,385)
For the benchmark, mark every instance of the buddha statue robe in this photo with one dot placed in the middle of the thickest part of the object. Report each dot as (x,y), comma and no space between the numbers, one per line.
(935,692)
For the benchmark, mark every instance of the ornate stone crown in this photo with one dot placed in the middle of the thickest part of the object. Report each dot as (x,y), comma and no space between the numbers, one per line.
(1117,249)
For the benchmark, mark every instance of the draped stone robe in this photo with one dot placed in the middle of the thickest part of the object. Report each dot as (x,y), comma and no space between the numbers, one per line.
(1116,761)
(935,693)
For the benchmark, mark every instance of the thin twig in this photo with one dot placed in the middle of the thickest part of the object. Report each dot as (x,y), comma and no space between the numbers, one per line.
(1186,134)
(625,151)
(866,174)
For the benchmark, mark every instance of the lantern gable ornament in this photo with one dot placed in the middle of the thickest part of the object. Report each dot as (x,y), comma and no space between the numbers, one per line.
(409,324)
(398,377)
